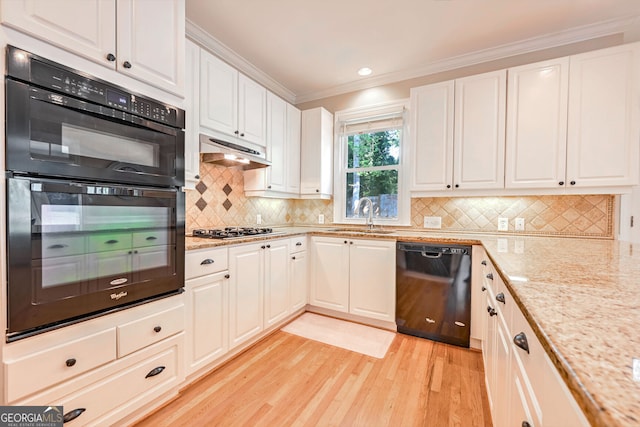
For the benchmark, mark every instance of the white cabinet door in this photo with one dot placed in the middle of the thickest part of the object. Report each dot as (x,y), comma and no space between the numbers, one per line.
(316,154)
(207,319)
(86,27)
(192,113)
(372,279)
(330,273)
(151,42)
(537,125)
(252,114)
(292,171)
(479,137)
(276,281)
(299,282)
(246,293)
(218,95)
(432,137)
(604,117)
(276,143)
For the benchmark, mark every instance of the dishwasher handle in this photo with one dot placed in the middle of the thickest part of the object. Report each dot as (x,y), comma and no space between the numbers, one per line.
(432,255)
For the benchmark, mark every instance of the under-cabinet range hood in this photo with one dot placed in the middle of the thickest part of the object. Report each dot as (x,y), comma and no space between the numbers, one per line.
(231,155)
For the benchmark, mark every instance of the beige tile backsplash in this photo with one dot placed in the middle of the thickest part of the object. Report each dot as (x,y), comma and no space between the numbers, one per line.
(219,201)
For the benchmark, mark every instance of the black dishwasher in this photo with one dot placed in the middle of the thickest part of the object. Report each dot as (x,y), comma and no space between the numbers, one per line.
(433,292)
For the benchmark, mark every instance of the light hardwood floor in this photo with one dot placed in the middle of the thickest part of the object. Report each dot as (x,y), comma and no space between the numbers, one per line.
(286,380)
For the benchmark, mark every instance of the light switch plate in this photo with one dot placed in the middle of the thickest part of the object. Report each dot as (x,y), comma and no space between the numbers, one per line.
(503,224)
(519,224)
(432,222)
(258,219)
(320,219)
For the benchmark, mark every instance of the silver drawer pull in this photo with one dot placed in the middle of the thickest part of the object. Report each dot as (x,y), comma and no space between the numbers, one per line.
(207,261)
(72,415)
(521,341)
(155,371)
(70,362)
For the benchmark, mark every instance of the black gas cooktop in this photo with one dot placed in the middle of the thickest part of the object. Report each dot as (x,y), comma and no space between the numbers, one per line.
(231,232)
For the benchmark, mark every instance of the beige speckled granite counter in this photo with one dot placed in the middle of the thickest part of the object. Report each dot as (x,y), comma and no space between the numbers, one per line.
(581,297)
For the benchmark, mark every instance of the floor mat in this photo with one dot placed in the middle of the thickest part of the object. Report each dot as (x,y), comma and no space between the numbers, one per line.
(339,333)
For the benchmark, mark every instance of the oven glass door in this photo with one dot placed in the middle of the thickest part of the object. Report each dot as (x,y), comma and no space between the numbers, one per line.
(76,248)
(55,135)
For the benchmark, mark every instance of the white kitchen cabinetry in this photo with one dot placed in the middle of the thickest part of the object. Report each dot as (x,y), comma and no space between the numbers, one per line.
(298,273)
(143,39)
(282,179)
(258,288)
(479,135)
(192,116)
(522,383)
(316,154)
(432,136)
(604,117)
(537,125)
(232,106)
(354,276)
(459,136)
(207,304)
(104,369)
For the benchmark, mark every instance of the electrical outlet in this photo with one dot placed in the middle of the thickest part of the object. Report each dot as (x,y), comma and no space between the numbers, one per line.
(321,219)
(258,219)
(503,224)
(519,224)
(432,222)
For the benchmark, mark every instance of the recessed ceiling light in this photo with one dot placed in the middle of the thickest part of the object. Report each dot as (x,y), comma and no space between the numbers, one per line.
(365,71)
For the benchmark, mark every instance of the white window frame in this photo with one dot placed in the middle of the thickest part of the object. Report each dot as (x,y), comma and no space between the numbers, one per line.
(340,163)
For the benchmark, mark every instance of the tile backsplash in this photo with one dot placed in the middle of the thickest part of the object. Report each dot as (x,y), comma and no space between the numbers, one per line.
(219,201)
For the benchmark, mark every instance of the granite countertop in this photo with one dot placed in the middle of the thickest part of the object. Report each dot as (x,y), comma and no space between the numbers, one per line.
(580,296)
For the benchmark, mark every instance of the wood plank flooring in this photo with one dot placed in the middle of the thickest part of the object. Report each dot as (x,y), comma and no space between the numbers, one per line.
(286,380)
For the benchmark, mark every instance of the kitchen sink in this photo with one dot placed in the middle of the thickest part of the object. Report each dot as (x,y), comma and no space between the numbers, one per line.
(363,230)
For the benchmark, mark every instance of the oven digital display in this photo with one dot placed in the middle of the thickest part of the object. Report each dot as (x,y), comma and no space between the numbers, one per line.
(116,98)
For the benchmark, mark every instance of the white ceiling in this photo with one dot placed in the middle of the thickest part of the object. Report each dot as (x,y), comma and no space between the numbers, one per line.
(310,49)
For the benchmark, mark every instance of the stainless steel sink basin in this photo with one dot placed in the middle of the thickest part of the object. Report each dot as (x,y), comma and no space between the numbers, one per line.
(363,230)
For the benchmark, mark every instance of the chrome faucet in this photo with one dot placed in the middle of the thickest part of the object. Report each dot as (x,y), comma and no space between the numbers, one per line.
(370,218)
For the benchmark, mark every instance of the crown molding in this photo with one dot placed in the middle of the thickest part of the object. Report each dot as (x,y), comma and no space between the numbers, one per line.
(222,51)
(572,35)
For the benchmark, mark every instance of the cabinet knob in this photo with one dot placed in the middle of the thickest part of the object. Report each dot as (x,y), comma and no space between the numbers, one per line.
(242,134)
(268,246)
(293,257)
(126,64)
(262,247)
(345,242)
(237,132)
(484,288)
(269,187)
(484,262)
(317,190)
(572,183)
(111,57)
(521,341)
(207,261)
(526,424)
(561,183)
(157,328)
(448,185)
(500,298)
(492,311)
(72,415)
(490,276)
(70,362)
(197,177)
(226,276)
(351,243)
(155,371)
(457,185)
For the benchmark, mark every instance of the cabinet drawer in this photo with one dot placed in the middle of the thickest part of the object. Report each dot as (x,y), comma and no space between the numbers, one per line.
(109,242)
(125,388)
(59,363)
(61,246)
(298,244)
(151,238)
(143,332)
(207,261)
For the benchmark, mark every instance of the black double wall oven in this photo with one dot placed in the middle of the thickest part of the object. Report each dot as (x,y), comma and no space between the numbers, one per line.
(95,214)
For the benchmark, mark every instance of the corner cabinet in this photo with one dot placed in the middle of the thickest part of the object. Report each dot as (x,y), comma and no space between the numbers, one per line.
(316,154)
(355,276)
(282,178)
(231,105)
(143,39)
